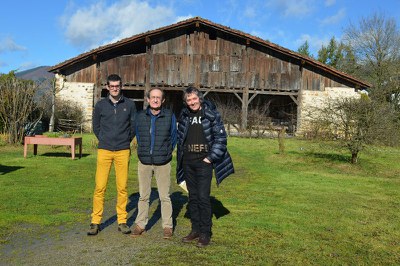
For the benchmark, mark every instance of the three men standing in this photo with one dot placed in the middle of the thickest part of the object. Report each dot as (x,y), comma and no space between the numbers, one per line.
(201,140)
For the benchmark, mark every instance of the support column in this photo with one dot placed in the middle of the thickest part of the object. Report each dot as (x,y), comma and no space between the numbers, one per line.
(97,86)
(245,106)
(147,71)
(299,98)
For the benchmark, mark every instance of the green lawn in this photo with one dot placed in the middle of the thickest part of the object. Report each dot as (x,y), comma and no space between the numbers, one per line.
(307,206)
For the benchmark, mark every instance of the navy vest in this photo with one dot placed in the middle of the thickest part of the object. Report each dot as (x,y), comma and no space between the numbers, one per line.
(161,152)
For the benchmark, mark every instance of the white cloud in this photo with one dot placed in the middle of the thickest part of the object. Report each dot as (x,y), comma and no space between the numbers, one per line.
(99,24)
(335,19)
(330,2)
(293,8)
(7,44)
(250,12)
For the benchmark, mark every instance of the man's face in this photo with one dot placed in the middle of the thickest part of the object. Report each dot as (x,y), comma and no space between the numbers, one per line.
(155,100)
(114,88)
(193,101)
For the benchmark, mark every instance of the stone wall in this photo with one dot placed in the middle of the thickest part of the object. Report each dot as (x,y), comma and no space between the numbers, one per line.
(317,99)
(81,93)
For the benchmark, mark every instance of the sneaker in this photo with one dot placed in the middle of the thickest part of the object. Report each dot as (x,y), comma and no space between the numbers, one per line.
(167,233)
(204,240)
(93,230)
(137,231)
(123,228)
(190,237)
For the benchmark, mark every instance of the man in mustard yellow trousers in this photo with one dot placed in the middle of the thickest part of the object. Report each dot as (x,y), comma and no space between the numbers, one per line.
(114,127)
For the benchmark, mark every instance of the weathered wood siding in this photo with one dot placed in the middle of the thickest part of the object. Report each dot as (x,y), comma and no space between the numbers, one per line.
(215,62)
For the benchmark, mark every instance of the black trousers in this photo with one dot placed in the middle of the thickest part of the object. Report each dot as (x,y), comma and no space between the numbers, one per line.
(198,181)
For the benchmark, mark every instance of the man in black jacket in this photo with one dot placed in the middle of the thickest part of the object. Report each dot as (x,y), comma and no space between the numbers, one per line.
(156,139)
(114,127)
(201,148)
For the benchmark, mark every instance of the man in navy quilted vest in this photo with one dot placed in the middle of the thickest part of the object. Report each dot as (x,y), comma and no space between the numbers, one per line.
(156,139)
(201,148)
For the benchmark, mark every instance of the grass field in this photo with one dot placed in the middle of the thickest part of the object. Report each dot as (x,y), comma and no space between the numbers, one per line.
(306,206)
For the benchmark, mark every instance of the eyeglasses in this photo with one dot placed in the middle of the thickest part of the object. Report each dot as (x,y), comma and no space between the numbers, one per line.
(114,86)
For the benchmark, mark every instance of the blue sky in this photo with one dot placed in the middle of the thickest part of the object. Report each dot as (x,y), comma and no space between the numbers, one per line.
(44,32)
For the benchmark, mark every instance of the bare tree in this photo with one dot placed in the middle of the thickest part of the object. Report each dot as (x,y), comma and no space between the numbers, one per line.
(356,123)
(52,87)
(230,113)
(19,104)
(376,46)
(259,120)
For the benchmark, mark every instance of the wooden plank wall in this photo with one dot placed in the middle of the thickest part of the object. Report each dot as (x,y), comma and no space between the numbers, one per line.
(215,63)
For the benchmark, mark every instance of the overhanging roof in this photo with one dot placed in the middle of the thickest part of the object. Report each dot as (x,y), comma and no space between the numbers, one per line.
(198,21)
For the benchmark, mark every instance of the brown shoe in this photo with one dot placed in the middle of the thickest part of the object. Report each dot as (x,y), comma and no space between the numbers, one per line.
(190,237)
(94,229)
(137,231)
(204,240)
(167,233)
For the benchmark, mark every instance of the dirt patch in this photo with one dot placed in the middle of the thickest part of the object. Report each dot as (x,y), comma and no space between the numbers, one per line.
(72,246)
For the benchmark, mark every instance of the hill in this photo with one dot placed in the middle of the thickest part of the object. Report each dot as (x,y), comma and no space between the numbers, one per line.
(38,73)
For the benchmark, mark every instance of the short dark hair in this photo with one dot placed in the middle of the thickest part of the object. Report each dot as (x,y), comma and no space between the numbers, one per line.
(114,77)
(190,90)
(155,88)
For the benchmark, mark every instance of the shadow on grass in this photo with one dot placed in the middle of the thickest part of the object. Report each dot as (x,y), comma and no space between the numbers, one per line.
(62,154)
(327,156)
(330,156)
(178,200)
(5,169)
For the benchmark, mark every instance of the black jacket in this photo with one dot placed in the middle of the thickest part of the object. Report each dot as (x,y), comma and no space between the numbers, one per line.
(114,125)
(215,134)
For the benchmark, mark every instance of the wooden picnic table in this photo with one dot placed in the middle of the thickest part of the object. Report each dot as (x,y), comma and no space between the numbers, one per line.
(43,140)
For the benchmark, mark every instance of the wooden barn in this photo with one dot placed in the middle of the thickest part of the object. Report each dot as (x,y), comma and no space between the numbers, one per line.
(226,64)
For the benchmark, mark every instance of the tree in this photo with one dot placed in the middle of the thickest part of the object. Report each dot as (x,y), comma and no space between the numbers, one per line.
(376,46)
(338,55)
(304,49)
(357,123)
(19,104)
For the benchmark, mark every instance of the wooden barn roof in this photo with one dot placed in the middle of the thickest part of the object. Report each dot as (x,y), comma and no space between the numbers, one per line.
(199,22)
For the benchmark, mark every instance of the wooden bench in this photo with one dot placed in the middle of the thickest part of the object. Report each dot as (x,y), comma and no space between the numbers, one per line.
(43,140)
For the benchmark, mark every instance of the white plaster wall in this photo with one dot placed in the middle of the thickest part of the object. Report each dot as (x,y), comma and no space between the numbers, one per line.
(312,99)
(81,93)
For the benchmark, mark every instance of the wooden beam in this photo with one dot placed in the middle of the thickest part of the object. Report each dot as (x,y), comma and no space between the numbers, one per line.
(148,64)
(245,106)
(294,99)
(98,87)
(252,97)
(237,96)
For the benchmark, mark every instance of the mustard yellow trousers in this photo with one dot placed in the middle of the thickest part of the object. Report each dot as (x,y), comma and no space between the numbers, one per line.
(105,159)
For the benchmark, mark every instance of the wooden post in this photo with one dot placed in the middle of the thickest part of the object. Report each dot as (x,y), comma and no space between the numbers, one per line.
(97,87)
(299,97)
(148,70)
(245,106)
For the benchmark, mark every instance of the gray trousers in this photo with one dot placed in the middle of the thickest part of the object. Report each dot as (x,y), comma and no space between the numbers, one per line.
(162,174)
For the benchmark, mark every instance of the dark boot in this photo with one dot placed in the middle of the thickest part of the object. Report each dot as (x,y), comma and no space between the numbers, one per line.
(190,237)
(204,240)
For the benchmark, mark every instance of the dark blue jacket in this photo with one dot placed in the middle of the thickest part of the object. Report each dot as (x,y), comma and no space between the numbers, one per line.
(156,136)
(215,134)
(114,124)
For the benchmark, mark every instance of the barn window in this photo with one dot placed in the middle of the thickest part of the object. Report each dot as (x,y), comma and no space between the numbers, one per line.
(215,64)
(235,64)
